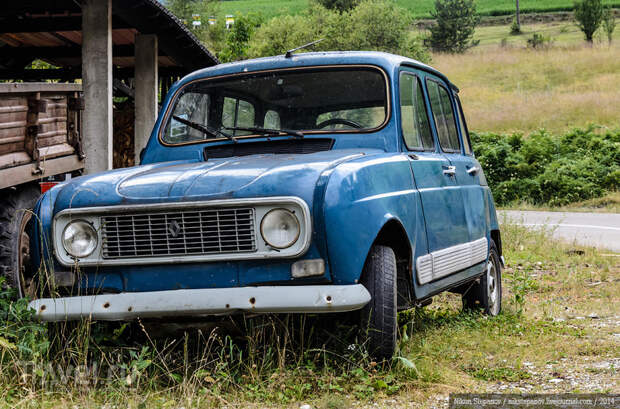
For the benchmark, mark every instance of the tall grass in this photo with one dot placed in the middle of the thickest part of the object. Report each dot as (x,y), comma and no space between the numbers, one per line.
(517,89)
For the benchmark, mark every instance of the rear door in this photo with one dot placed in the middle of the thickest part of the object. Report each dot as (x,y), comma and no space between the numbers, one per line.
(469,177)
(434,175)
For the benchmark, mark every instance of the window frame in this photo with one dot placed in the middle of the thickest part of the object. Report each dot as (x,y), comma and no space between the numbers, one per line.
(173,100)
(426,111)
(456,126)
(466,140)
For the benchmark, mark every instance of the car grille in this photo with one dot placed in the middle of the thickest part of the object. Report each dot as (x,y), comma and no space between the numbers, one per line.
(179,233)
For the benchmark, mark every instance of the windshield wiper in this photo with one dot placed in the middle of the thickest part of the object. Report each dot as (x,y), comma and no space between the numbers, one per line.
(267,131)
(204,129)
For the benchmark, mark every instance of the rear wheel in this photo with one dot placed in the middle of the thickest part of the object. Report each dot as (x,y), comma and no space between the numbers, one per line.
(15,212)
(378,317)
(486,293)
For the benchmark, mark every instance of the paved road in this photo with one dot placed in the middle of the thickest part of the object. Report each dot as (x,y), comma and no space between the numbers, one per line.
(600,230)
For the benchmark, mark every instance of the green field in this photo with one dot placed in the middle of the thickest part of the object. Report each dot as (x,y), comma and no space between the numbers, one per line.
(418,8)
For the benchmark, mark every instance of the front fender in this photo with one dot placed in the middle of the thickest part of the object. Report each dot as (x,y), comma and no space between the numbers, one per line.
(361,197)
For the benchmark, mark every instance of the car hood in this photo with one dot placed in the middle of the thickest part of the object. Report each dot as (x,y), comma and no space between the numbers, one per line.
(237,177)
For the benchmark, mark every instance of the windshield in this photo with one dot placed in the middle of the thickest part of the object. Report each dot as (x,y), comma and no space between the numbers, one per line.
(341,99)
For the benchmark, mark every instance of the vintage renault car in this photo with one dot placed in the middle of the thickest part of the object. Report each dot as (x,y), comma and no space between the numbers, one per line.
(307,183)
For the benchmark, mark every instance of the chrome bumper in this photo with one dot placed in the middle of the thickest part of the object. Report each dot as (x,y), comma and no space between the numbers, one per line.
(209,301)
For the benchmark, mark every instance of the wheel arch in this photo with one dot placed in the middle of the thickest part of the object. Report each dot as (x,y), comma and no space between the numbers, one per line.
(393,234)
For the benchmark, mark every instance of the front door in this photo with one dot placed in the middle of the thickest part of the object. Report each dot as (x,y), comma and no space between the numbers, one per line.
(435,178)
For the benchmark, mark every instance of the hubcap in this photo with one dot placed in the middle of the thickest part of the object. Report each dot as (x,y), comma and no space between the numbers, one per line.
(24,283)
(492,288)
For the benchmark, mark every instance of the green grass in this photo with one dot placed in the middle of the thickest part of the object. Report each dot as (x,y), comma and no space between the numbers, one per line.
(285,361)
(418,8)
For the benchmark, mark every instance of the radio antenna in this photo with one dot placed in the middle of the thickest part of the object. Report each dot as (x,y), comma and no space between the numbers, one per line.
(289,53)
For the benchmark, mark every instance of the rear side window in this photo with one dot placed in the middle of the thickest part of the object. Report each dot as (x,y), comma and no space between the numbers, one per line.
(444,116)
(413,116)
(463,124)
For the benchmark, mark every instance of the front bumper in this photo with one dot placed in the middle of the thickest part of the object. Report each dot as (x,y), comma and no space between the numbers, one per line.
(208,301)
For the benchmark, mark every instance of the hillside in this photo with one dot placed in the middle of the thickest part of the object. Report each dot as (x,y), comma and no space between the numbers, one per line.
(418,8)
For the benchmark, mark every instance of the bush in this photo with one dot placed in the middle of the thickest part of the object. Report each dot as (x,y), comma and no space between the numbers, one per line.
(455,21)
(538,41)
(339,5)
(609,23)
(589,16)
(515,28)
(371,26)
(548,169)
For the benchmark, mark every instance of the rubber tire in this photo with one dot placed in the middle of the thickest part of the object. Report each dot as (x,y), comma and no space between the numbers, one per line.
(477,297)
(14,206)
(379,317)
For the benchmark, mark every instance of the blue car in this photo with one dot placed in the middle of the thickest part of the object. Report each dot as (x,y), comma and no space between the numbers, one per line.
(308,183)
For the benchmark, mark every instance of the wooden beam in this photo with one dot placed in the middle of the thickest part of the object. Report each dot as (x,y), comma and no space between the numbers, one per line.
(72,73)
(48,24)
(51,53)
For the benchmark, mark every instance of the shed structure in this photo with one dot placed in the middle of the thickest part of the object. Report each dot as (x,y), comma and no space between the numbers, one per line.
(135,48)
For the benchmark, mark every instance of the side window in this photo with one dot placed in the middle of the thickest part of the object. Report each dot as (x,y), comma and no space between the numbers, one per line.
(444,117)
(272,120)
(237,112)
(463,124)
(413,116)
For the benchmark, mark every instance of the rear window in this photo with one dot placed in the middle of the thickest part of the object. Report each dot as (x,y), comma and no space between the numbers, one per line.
(441,105)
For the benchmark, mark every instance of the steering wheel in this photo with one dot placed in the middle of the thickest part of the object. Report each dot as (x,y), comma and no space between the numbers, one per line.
(339,121)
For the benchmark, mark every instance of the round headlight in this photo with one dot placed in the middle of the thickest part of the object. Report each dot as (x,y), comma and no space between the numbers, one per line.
(79,238)
(280,228)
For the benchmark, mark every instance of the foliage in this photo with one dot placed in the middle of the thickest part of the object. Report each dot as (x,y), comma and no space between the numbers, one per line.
(589,16)
(539,40)
(339,5)
(372,25)
(22,338)
(515,27)
(238,37)
(609,23)
(455,22)
(547,169)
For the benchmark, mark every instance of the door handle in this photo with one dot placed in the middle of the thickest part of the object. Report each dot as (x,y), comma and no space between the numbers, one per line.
(473,170)
(450,171)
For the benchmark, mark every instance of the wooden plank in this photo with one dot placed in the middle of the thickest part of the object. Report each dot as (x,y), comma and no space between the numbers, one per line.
(27,173)
(29,87)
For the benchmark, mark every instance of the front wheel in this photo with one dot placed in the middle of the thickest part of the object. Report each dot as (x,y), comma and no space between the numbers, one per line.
(486,293)
(378,317)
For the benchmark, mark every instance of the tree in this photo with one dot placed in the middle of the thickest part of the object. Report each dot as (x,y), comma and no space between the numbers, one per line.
(589,16)
(373,25)
(339,5)
(609,23)
(455,22)
(238,37)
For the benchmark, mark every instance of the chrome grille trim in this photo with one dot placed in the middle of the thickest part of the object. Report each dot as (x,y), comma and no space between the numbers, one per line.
(178,233)
(260,206)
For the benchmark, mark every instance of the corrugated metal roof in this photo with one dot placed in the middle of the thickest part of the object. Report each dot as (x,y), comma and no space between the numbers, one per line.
(51,30)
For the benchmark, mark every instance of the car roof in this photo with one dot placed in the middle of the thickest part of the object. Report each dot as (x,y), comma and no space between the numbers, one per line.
(385,60)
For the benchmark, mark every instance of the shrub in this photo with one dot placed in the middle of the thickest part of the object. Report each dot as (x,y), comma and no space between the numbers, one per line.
(538,41)
(455,21)
(238,38)
(589,16)
(547,169)
(515,27)
(339,5)
(609,23)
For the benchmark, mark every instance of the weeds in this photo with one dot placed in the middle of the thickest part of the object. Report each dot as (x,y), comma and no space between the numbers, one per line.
(283,359)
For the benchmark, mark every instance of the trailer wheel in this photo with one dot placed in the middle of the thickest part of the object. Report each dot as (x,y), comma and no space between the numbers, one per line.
(15,213)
